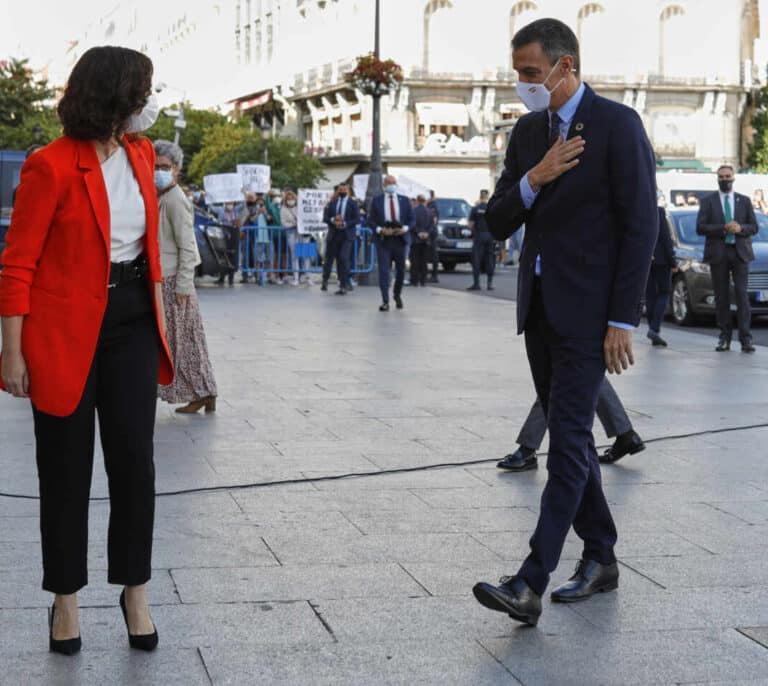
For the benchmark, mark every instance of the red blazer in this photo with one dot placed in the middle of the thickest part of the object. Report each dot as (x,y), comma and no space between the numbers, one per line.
(55,268)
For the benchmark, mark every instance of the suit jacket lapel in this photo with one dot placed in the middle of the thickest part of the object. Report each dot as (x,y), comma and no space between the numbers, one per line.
(97,191)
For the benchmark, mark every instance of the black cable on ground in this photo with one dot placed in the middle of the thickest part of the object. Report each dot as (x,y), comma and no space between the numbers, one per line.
(383,472)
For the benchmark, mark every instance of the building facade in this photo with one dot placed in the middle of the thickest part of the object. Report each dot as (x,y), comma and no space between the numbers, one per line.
(687,67)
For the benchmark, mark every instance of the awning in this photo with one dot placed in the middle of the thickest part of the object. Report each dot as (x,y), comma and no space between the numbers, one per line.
(686,165)
(442,114)
(253,100)
(336,175)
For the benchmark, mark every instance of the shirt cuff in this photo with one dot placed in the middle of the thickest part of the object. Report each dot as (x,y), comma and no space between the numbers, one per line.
(378,229)
(621,325)
(527,193)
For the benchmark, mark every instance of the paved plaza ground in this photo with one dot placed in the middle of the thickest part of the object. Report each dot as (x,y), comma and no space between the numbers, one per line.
(368,580)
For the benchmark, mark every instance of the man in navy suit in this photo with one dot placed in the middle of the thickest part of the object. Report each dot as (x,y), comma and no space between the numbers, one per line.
(660,280)
(580,173)
(728,221)
(342,215)
(390,218)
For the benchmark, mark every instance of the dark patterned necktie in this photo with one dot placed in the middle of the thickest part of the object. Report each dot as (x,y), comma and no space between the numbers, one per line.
(554,128)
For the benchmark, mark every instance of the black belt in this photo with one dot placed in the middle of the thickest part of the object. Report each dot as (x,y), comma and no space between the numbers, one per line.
(121,273)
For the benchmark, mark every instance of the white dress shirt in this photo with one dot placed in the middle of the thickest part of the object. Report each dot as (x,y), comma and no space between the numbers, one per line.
(128,222)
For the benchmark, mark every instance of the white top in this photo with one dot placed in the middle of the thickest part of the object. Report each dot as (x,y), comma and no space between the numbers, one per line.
(128,220)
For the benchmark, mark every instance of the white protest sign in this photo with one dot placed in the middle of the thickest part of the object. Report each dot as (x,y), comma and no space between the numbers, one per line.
(223,188)
(311,204)
(257,178)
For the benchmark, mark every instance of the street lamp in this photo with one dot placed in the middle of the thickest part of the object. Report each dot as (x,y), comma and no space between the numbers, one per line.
(266,134)
(179,122)
(375,172)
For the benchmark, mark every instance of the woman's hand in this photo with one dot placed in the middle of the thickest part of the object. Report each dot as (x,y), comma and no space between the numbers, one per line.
(15,375)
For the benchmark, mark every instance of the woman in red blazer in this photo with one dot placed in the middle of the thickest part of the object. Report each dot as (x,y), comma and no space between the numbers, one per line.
(83,330)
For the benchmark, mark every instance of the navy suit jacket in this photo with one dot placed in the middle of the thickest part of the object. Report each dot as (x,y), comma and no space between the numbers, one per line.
(711,223)
(376,216)
(595,227)
(422,223)
(351,217)
(664,252)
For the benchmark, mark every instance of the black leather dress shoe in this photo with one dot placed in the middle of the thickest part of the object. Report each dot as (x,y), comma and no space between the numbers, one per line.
(512,596)
(590,577)
(398,302)
(656,340)
(341,291)
(521,460)
(384,307)
(723,346)
(324,287)
(628,443)
(474,287)
(748,347)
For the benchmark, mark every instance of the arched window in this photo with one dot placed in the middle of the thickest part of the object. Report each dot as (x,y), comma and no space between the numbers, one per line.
(592,31)
(439,54)
(521,14)
(672,38)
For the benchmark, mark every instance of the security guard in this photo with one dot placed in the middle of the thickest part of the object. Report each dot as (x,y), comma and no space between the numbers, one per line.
(483,252)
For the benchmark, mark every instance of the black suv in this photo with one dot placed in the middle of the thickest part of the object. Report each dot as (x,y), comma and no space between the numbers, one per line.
(454,239)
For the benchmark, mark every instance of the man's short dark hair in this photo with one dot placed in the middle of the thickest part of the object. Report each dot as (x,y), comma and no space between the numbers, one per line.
(726,166)
(107,85)
(556,40)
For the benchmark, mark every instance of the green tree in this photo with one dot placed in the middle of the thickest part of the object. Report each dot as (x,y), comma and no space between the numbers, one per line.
(224,147)
(25,115)
(191,138)
(757,158)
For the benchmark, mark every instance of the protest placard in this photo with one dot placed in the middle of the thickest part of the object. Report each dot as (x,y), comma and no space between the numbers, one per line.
(257,178)
(223,188)
(311,204)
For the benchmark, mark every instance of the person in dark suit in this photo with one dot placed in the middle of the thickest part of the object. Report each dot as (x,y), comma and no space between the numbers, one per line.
(421,238)
(435,212)
(390,218)
(580,173)
(342,215)
(660,280)
(728,221)
(483,245)
(612,416)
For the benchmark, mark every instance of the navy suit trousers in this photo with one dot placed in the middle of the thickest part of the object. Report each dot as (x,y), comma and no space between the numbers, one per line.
(390,250)
(337,247)
(568,373)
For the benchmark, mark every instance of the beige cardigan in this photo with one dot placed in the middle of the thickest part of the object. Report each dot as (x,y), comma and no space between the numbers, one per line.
(178,247)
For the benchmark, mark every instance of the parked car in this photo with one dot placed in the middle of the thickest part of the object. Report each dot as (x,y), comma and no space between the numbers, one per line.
(692,293)
(10,170)
(454,238)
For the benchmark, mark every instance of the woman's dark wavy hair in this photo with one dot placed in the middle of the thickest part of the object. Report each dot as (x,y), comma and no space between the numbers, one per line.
(107,85)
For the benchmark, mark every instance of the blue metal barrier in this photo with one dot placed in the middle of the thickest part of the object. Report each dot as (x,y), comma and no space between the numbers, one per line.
(276,250)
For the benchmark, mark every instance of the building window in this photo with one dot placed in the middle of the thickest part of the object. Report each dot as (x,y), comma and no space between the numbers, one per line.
(672,38)
(435,8)
(270,37)
(521,14)
(591,29)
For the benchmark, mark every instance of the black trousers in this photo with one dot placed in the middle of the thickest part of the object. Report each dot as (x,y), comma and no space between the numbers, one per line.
(420,254)
(732,266)
(337,247)
(121,389)
(568,373)
(388,250)
(483,255)
(434,255)
(657,293)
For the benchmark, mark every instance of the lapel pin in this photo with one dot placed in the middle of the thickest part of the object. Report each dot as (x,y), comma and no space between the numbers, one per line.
(579,126)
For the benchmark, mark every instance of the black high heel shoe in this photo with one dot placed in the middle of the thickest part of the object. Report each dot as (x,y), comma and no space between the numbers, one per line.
(67,646)
(147,642)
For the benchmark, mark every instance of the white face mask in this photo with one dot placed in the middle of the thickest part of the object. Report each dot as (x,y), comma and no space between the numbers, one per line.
(144,119)
(536,96)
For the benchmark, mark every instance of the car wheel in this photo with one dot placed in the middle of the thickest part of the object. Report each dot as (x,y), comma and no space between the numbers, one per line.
(682,311)
(448,266)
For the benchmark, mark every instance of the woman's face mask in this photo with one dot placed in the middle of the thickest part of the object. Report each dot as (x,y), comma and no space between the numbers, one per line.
(146,118)
(163,179)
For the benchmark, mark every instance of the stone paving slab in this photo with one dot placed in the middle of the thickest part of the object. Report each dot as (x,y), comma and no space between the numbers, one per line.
(368,580)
